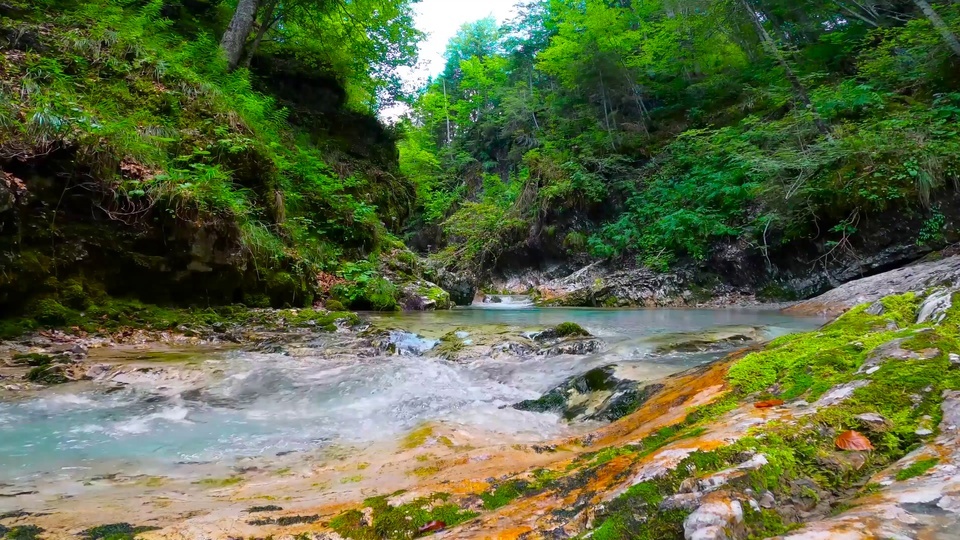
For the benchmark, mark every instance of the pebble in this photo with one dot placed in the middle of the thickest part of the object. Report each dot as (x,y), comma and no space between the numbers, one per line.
(767,500)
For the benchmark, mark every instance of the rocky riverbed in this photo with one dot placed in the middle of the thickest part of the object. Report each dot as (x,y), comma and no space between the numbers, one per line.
(517,426)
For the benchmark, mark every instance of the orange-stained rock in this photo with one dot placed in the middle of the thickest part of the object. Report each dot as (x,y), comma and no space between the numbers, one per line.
(768,403)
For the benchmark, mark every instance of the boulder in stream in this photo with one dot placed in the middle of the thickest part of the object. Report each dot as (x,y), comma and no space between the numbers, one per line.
(595,395)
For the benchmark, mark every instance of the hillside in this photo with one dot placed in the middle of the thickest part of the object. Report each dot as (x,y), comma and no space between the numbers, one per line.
(775,148)
(139,164)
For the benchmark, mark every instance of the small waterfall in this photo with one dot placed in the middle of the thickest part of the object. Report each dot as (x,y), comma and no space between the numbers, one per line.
(505,301)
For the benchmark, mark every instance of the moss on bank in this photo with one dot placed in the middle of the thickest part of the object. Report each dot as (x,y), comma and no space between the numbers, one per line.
(398,522)
(803,463)
(120,314)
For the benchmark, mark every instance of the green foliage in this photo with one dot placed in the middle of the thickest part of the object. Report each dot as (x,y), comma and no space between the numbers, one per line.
(659,133)
(164,135)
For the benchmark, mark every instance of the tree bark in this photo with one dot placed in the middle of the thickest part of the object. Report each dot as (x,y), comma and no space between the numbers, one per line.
(941,26)
(235,37)
(798,89)
(269,19)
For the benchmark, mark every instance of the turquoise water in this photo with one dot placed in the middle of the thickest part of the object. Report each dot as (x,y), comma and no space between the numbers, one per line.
(255,405)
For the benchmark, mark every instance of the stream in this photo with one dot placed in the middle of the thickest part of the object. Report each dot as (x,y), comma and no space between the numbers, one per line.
(179,416)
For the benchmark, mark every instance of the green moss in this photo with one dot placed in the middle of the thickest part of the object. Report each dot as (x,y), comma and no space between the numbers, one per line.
(439,296)
(417,437)
(47,374)
(764,523)
(23,532)
(569,329)
(219,482)
(334,305)
(812,362)
(398,522)
(917,468)
(503,494)
(450,344)
(608,454)
(33,359)
(49,311)
(115,531)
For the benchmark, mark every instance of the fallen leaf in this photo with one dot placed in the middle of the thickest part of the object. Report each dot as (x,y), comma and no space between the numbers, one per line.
(768,403)
(433,526)
(852,440)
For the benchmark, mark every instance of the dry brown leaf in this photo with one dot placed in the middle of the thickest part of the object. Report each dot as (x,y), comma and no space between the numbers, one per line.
(854,441)
(768,403)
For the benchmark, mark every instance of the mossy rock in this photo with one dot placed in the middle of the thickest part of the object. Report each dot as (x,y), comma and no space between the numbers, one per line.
(570,329)
(49,311)
(33,359)
(334,305)
(47,374)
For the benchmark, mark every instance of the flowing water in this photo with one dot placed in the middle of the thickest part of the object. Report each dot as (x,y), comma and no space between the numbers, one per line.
(225,406)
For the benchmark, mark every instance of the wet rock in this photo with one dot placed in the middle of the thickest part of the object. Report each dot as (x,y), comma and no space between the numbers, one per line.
(561,331)
(461,286)
(874,421)
(839,394)
(954,360)
(682,501)
(596,395)
(893,350)
(574,347)
(877,308)
(716,480)
(767,500)
(97,371)
(926,426)
(873,288)
(842,462)
(78,350)
(715,339)
(934,307)
(719,517)
(422,295)
(604,285)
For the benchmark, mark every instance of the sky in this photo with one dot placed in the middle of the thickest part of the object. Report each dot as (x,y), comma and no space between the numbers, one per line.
(440,20)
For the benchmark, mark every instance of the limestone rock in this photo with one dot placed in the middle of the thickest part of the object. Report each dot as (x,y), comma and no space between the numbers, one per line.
(873,421)
(719,517)
(873,288)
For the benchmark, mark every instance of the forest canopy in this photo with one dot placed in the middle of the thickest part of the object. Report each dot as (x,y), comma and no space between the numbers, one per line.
(658,130)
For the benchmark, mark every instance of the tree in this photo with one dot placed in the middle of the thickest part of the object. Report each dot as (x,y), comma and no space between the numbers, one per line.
(771,47)
(939,25)
(236,34)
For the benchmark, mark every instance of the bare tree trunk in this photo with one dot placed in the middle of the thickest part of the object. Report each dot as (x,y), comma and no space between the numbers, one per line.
(269,19)
(235,37)
(941,26)
(798,89)
(446,107)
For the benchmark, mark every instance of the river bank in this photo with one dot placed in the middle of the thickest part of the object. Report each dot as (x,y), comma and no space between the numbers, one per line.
(503,423)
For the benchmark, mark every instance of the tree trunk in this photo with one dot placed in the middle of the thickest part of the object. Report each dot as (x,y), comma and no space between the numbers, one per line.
(798,89)
(235,37)
(941,26)
(267,22)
